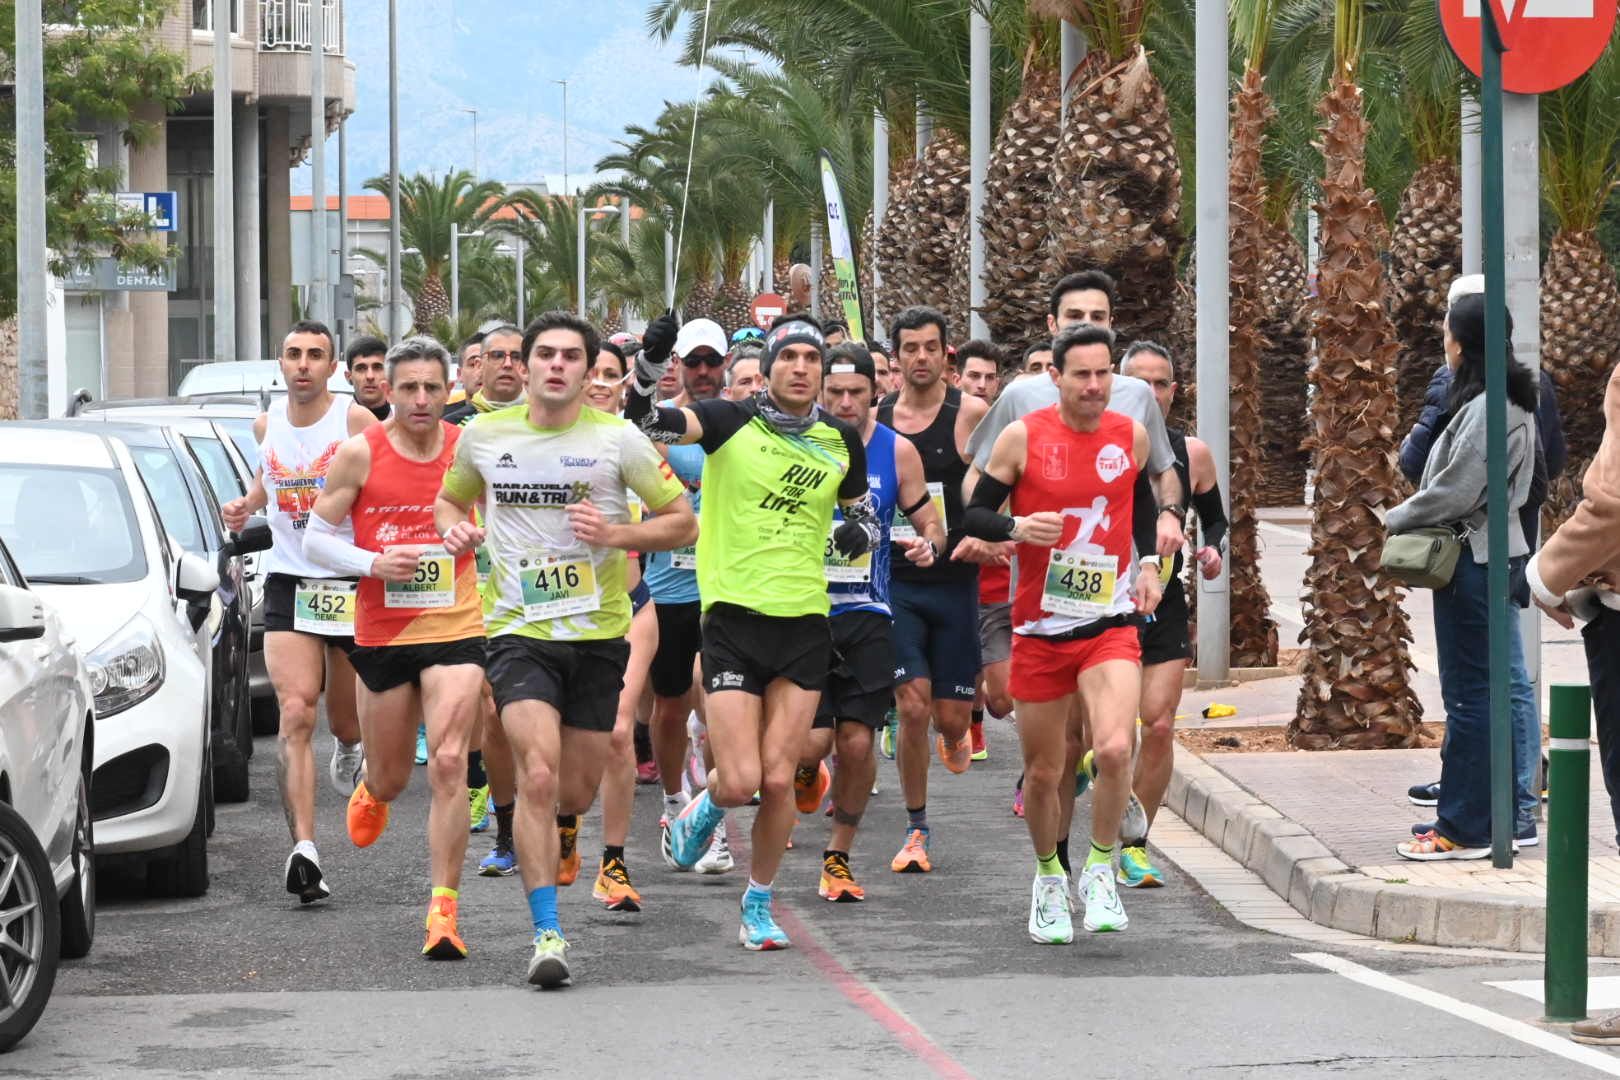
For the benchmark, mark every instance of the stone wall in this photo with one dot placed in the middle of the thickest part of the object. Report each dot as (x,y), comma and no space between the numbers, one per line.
(8,369)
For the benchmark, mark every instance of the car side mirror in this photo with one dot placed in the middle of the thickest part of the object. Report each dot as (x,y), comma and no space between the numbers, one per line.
(254,537)
(196,580)
(22,615)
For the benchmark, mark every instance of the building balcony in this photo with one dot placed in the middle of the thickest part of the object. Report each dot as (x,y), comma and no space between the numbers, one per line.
(287,25)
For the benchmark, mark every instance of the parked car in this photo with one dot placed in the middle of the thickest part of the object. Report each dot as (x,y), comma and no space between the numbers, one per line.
(189,507)
(47,837)
(87,536)
(248,377)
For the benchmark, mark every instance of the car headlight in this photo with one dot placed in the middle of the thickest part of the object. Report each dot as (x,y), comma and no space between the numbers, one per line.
(127,668)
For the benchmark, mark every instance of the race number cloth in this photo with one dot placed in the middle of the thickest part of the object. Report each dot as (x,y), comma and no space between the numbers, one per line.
(864,584)
(325,607)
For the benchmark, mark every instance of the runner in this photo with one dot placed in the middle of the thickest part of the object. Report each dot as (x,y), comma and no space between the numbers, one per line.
(308,614)
(860,683)
(880,363)
(418,630)
(778,466)
(936,608)
(556,608)
(467,371)
(1074,462)
(1166,648)
(743,379)
(367,372)
(980,364)
(835,331)
(500,372)
(981,377)
(1037,358)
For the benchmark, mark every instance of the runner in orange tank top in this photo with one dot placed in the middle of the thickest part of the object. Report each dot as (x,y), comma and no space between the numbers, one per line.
(419,628)
(1069,472)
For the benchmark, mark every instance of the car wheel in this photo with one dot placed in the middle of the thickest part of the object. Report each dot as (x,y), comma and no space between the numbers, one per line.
(266,715)
(183,870)
(30,925)
(79,905)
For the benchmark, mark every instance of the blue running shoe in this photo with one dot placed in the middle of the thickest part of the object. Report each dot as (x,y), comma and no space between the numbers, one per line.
(759,932)
(1136,870)
(421,744)
(499,862)
(691,831)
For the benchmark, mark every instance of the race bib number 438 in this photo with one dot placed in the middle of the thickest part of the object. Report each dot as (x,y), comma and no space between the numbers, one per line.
(324,607)
(557,585)
(1080,585)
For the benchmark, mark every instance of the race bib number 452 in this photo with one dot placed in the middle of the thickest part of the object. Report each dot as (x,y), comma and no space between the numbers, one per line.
(1079,584)
(324,607)
(557,585)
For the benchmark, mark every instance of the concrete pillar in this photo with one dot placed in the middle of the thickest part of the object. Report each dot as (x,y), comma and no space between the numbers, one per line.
(149,311)
(249,299)
(117,327)
(278,227)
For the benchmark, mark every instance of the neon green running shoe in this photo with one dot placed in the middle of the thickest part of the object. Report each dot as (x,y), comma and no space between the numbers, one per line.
(890,734)
(1136,871)
(478,807)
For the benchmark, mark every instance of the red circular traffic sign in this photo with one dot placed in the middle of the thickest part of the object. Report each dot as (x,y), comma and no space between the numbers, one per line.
(1550,43)
(766,307)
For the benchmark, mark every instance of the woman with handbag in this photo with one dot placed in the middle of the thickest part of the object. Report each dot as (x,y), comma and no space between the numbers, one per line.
(1451,495)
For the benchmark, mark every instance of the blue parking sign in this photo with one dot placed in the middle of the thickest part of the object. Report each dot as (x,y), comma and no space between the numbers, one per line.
(161,207)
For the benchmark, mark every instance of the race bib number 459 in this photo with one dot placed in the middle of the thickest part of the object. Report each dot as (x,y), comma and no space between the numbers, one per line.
(1080,585)
(324,607)
(433,585)
(556,585)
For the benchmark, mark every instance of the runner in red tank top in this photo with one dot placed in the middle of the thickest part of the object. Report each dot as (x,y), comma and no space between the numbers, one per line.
(1069,472)
(419,627)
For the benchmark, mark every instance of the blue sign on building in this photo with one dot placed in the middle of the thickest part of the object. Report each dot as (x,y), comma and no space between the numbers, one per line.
(160,207)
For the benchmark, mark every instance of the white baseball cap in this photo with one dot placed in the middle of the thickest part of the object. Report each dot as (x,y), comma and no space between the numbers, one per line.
(1465,285)
(700,334)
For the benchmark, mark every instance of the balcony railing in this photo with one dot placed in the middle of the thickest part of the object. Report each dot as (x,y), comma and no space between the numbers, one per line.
(285,24)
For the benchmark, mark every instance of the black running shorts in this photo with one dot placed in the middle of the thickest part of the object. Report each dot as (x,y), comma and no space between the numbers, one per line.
(744,650)
(680,638)
(1165,638)
(383,667)
(279,593)
(580,679)
(860,682)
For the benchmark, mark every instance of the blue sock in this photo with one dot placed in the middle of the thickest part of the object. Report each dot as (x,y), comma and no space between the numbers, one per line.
(918,818)
(543,909)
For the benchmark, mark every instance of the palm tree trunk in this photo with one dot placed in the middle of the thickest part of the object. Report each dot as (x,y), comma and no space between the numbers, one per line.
(1283,371)
(1425,256)
(1580,345)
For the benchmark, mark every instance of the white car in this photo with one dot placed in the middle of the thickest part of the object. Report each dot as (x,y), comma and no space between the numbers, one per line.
(47,861)
(81,526)
(248,377)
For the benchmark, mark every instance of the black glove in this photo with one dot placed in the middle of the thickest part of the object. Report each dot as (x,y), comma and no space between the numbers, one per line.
(859,532)
(658,341)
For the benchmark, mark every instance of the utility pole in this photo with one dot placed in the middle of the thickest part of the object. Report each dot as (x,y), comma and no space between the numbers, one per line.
(455,275)
(816,256)
(1071,51)
(316,307)
(979,163)
(395,293)
(343,328)
(224,189)
(768,242)
(33,371)
(519,239)
(584,210)
(475,141)
(1214,312)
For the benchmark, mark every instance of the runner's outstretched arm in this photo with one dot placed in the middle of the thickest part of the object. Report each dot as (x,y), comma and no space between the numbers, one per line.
(658,423)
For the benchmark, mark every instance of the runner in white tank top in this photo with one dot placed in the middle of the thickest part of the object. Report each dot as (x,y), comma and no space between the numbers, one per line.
(308,615)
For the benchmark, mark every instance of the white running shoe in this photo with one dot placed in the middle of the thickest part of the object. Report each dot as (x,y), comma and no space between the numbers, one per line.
(1133,826)
(717,860)
(347,765)
(1049,921)
(1104,912)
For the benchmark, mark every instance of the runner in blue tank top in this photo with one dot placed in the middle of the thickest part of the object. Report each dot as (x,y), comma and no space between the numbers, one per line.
(860,685)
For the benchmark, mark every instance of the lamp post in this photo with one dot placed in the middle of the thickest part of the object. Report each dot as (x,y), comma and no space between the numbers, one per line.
(564,84)
(584,210)
(475,140)
(456,236)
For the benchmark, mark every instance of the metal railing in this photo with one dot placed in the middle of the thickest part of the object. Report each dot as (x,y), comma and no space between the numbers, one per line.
(285,24)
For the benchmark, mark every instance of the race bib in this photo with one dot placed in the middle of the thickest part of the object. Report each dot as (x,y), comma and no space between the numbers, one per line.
(433,586)
(902,528)
(684,558)
(839,568)
(324,607)
(1079,584)
(558,585)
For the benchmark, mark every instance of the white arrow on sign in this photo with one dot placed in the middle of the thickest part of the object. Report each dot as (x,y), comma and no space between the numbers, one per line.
(1536,9)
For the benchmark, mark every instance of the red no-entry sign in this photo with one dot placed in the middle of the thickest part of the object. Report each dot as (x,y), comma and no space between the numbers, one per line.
(1550,43)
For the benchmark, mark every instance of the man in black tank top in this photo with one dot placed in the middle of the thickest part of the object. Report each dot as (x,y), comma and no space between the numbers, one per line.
(1166,648)
(936,635)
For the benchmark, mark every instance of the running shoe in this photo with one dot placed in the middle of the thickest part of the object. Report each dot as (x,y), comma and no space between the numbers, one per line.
(890,735)
(759,932)
(613,887)
(717,860)
(697,774)
(1133,825)
(304,878)
(443,943)
(478,808)
(367,818)
(1082,775)
(1049,921)
(981,751)
(1018,801)
(421,744)
(500,862)
(912,857)
(1136,871)
(810,784)
(956,755)
(346,767)
(568,854)
(548,967)
(689,834)
(1432,847)
(1424,794)
(1104,912)
(647,772)
(837,883)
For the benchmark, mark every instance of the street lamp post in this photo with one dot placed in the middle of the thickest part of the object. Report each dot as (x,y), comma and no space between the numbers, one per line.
(395,299)
(456,237)
(475,140)
(584,210)
(564,84)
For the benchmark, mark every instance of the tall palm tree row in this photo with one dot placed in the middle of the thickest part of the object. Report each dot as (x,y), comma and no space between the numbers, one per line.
(429,206)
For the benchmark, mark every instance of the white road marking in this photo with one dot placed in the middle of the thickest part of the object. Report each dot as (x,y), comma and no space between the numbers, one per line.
(1602,992)
(1474,1014)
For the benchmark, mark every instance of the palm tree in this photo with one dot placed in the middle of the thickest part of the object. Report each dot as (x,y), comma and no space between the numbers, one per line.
(1355,692)
(428,206)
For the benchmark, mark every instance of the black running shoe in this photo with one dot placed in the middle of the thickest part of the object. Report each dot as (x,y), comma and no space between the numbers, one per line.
(1424,794)
(304,879)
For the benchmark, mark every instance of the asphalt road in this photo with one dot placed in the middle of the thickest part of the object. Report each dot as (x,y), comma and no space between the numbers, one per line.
(932,976)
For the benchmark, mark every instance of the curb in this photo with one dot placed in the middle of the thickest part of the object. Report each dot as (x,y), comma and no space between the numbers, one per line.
(1299,868)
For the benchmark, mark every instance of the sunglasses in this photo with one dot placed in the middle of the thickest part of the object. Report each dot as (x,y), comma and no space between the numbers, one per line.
(699,359)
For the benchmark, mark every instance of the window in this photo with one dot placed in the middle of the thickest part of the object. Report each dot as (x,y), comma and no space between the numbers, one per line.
(202,15)
(70,526)
(216,466)
(160,469)
(241,432)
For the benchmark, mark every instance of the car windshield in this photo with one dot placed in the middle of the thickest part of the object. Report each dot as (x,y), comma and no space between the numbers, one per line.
(241,432)
(161,470)
(216,464)
(71,526)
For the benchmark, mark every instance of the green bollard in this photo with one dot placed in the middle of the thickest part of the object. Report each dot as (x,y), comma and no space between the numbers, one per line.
(1568,783)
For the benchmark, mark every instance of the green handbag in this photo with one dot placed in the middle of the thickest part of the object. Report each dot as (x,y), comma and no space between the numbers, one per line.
(1423,558)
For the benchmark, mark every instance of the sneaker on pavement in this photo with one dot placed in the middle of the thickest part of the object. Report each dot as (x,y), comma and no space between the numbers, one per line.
(1049,921)
(647,772)
(889,735)
(1424,794)
(548,967)
(500,862)
(912,857)
(837,883)
(421,744)
(716,860)
(689,834)
(810,784)
(956,755)
(1085,771)
(759,932)
(613,887)
(981,750)
(304,878)
(1598,1031)
(1133,824)
(568,854)
(478,808)
(1104,912)
(1018,801)
(366,817)
(1432,847)
(443,942)
(346,766)
(1136,871)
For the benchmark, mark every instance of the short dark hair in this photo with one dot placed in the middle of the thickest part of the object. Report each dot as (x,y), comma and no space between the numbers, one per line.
(915,318)
(1083,279)
(979,349)
(874,347)
(563,320)
(838,325)
(798,316)
(1143,345)
(420,347)
(1080,334)
(744,350)
(312,326)
(614,351)
(476,339)
(1039,346)
(363,346)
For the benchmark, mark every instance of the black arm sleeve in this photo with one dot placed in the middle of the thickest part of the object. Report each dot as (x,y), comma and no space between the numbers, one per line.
(982,518)
(854,482)
(658,424)
(720,419)
(1212,516)
(1144,517)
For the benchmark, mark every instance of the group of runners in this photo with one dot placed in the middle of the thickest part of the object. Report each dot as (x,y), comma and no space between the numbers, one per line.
(780,550)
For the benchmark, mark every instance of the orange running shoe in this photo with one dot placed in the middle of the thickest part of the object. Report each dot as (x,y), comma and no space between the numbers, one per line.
(956,755)
(367,817)
(613,887)
(913,857)
(443,943)
(837,883)
(568,854)
(810,787)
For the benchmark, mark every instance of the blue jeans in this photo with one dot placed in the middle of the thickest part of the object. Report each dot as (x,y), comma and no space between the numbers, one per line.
(1462,638)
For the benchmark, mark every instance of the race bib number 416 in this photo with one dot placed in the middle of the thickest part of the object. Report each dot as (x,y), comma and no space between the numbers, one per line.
(1080,585)
(324,607)
(557,585)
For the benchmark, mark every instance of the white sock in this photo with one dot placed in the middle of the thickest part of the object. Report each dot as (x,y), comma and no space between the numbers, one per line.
(306,848)
(674,804)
